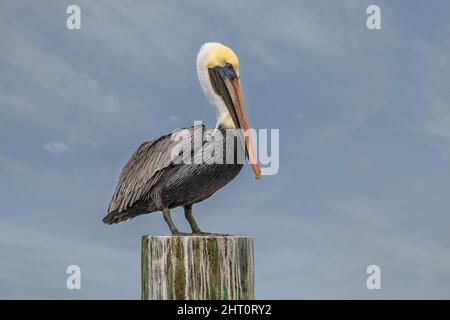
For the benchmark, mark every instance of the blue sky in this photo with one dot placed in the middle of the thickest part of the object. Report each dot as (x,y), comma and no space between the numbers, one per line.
(364,121)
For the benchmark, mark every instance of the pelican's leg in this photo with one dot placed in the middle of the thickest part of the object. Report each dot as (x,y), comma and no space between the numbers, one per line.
(190,218)
(194,226)
(173,228)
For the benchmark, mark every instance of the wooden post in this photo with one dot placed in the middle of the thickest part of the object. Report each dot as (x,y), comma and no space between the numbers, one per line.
(197,267)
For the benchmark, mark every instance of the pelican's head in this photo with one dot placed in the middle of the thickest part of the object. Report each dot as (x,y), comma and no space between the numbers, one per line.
(218,73)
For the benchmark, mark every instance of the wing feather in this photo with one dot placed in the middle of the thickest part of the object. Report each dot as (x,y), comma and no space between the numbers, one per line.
(139,174)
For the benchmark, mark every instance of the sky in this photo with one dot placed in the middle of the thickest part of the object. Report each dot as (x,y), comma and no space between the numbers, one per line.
(363,118)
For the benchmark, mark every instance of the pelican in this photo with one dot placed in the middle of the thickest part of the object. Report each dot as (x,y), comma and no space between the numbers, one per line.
(152,181)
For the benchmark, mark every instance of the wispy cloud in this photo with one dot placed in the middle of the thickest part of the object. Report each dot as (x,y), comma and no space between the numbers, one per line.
(57,148)
(12,166)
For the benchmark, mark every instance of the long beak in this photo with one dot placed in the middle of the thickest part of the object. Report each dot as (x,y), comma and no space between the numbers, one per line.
(235,91)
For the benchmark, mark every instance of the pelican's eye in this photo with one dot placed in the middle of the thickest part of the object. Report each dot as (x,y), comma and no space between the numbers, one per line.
(229,71)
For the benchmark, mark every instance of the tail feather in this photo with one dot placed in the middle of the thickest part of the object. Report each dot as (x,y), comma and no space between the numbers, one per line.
(116,217)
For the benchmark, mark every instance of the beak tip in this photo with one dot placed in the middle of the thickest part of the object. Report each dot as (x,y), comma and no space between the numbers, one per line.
(258,177)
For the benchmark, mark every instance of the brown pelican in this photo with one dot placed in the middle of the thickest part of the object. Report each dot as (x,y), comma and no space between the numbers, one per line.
(152,181)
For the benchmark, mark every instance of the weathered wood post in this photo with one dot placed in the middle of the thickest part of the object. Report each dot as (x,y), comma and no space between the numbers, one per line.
(197,267)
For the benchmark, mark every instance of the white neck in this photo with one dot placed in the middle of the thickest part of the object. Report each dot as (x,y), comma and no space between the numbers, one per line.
(223,116)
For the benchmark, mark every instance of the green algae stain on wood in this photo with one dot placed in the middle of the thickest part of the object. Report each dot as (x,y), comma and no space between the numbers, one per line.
(144,269)
(197,267)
